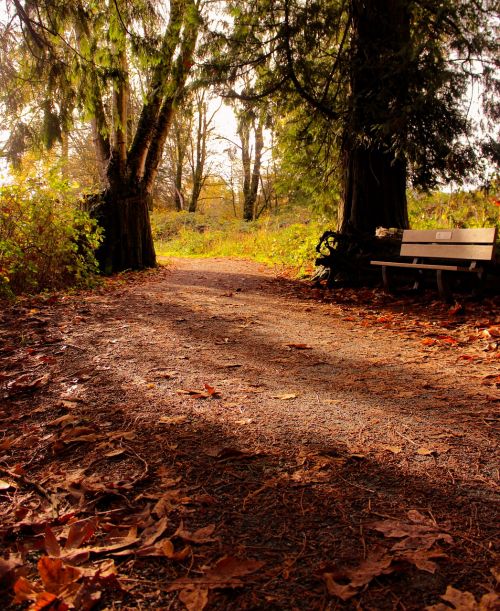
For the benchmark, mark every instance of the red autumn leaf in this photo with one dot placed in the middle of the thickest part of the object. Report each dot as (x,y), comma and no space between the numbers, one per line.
(24,591)
(211,391)
(55,575)
(48,602)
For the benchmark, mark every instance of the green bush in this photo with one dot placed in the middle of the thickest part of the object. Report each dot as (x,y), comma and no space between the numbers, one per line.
(453,210)
(45,241)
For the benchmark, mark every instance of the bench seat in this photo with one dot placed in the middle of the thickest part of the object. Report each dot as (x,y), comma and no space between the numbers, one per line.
(456,250)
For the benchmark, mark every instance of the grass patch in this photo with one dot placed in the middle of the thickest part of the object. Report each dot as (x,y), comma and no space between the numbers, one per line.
(276,241)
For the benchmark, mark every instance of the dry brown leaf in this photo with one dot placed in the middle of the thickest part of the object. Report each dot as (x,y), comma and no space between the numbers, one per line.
(378,562)
(393,449)
(426,452)
(114,453)
(421,542)
(224,574)
(465,601)
(65,420)
(226,453)
(56,576)
(127,435)
(151,534)
(7,442)
(342,591)
(398,530)
(194,600)
(51,544)
(244,421)
(79,533)
(211,391)
(422,558)
(172,419)
(200,536)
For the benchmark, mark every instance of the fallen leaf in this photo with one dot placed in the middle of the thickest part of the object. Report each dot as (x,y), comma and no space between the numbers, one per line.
(243,421)
(465,601)
(285,397)
(79,533)
(65,420)
(114,453)
(378,562)
(422,558)
(211,391)
(342,591)
(172,419)
(225,453)
(224,574)
(194,600)
(24,591)
(154,532)
(426,452)
(55,575)
(393,449)
(7,442)
(26,382)
(202,535)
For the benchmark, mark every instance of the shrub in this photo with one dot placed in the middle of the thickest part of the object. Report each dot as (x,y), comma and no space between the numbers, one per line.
(45,241)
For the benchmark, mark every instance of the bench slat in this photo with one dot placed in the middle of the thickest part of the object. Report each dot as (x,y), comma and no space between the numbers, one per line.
(449,251)
(451,268)
(459,236)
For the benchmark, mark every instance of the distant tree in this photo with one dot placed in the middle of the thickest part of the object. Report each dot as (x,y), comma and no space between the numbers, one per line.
(198,148)
(83,59)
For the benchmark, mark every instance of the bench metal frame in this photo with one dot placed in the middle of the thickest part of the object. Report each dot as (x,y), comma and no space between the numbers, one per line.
(465,247)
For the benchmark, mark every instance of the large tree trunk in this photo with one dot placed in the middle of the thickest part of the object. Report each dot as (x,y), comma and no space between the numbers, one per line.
(123,214)
(374,177)
(374,191)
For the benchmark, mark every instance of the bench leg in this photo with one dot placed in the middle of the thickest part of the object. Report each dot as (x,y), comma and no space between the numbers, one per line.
(477,291)
(419,280)
(443,285)
(386,279)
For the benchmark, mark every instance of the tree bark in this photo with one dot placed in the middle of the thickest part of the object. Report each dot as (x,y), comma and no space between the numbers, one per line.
(374,176)
(123,214)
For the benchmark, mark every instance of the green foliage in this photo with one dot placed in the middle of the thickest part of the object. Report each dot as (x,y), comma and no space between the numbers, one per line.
(451,210)
(45,241)
(286,241)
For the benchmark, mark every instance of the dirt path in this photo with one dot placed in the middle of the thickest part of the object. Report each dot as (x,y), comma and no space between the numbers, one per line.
(338,453)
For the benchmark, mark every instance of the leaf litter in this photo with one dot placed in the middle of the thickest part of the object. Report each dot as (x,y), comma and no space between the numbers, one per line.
(101,500)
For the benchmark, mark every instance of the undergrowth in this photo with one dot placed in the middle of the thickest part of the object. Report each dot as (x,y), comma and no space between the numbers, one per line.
(288,239)
(46,242)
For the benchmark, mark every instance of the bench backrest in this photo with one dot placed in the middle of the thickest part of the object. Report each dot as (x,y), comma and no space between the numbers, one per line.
(470,244)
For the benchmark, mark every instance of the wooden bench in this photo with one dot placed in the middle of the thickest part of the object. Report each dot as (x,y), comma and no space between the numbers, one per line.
(445,250)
